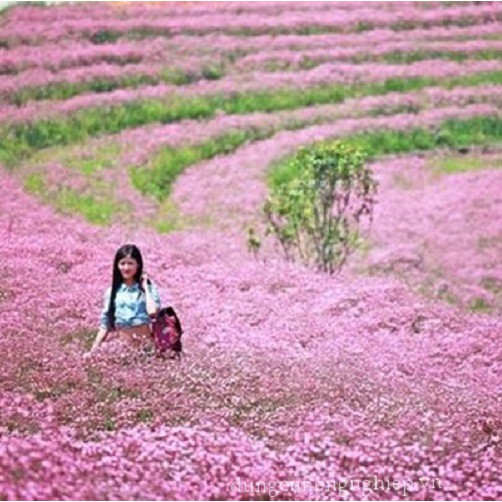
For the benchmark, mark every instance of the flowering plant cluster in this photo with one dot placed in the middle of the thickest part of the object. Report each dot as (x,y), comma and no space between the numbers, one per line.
(381,382)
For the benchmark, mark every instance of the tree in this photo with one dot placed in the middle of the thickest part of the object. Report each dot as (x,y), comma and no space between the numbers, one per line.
(315,215)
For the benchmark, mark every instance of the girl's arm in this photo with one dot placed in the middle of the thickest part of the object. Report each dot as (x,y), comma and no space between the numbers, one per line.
(152,298)
(103,325)
(101,335)
(102,332)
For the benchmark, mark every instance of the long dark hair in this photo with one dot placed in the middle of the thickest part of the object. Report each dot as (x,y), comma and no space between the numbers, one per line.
(126,251)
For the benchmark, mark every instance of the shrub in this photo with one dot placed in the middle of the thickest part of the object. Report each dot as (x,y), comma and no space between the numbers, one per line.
(315,216)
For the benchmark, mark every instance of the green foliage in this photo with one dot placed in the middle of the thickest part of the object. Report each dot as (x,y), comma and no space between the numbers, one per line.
(479,304)
(157,178)
(96,211)
(451,133)
(169,218)
(492,284)
(84,337)
(364,26)
(34,183)
(421,55)
(461,164)
(105,157)
(253,241)
(213,71)
(66,90)
(104,36)
(395,57)
(177,76)
(315,215)
(109,423)
(145,415)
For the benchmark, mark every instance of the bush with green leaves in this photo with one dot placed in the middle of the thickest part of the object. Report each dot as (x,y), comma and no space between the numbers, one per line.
(316,215)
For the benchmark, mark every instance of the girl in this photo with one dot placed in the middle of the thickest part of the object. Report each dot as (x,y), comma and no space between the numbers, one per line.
(129,301)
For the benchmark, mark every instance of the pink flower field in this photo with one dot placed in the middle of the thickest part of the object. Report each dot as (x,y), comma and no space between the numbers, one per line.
(382,382)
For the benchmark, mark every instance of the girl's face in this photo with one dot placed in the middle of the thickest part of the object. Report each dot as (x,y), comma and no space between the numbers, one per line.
(128,267)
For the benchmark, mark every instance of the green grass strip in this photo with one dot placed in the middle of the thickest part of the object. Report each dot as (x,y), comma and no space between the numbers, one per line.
(461,164)
(157,178)
(110,36)
(19,141)
(60,91)
(396,57)
(451,133)
(66,90)
(97,210)
(414,56)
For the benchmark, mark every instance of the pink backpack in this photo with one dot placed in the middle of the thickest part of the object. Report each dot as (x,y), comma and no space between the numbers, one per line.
(167,331)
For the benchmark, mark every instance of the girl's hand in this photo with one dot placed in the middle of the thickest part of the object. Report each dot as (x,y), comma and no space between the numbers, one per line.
(144,280)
